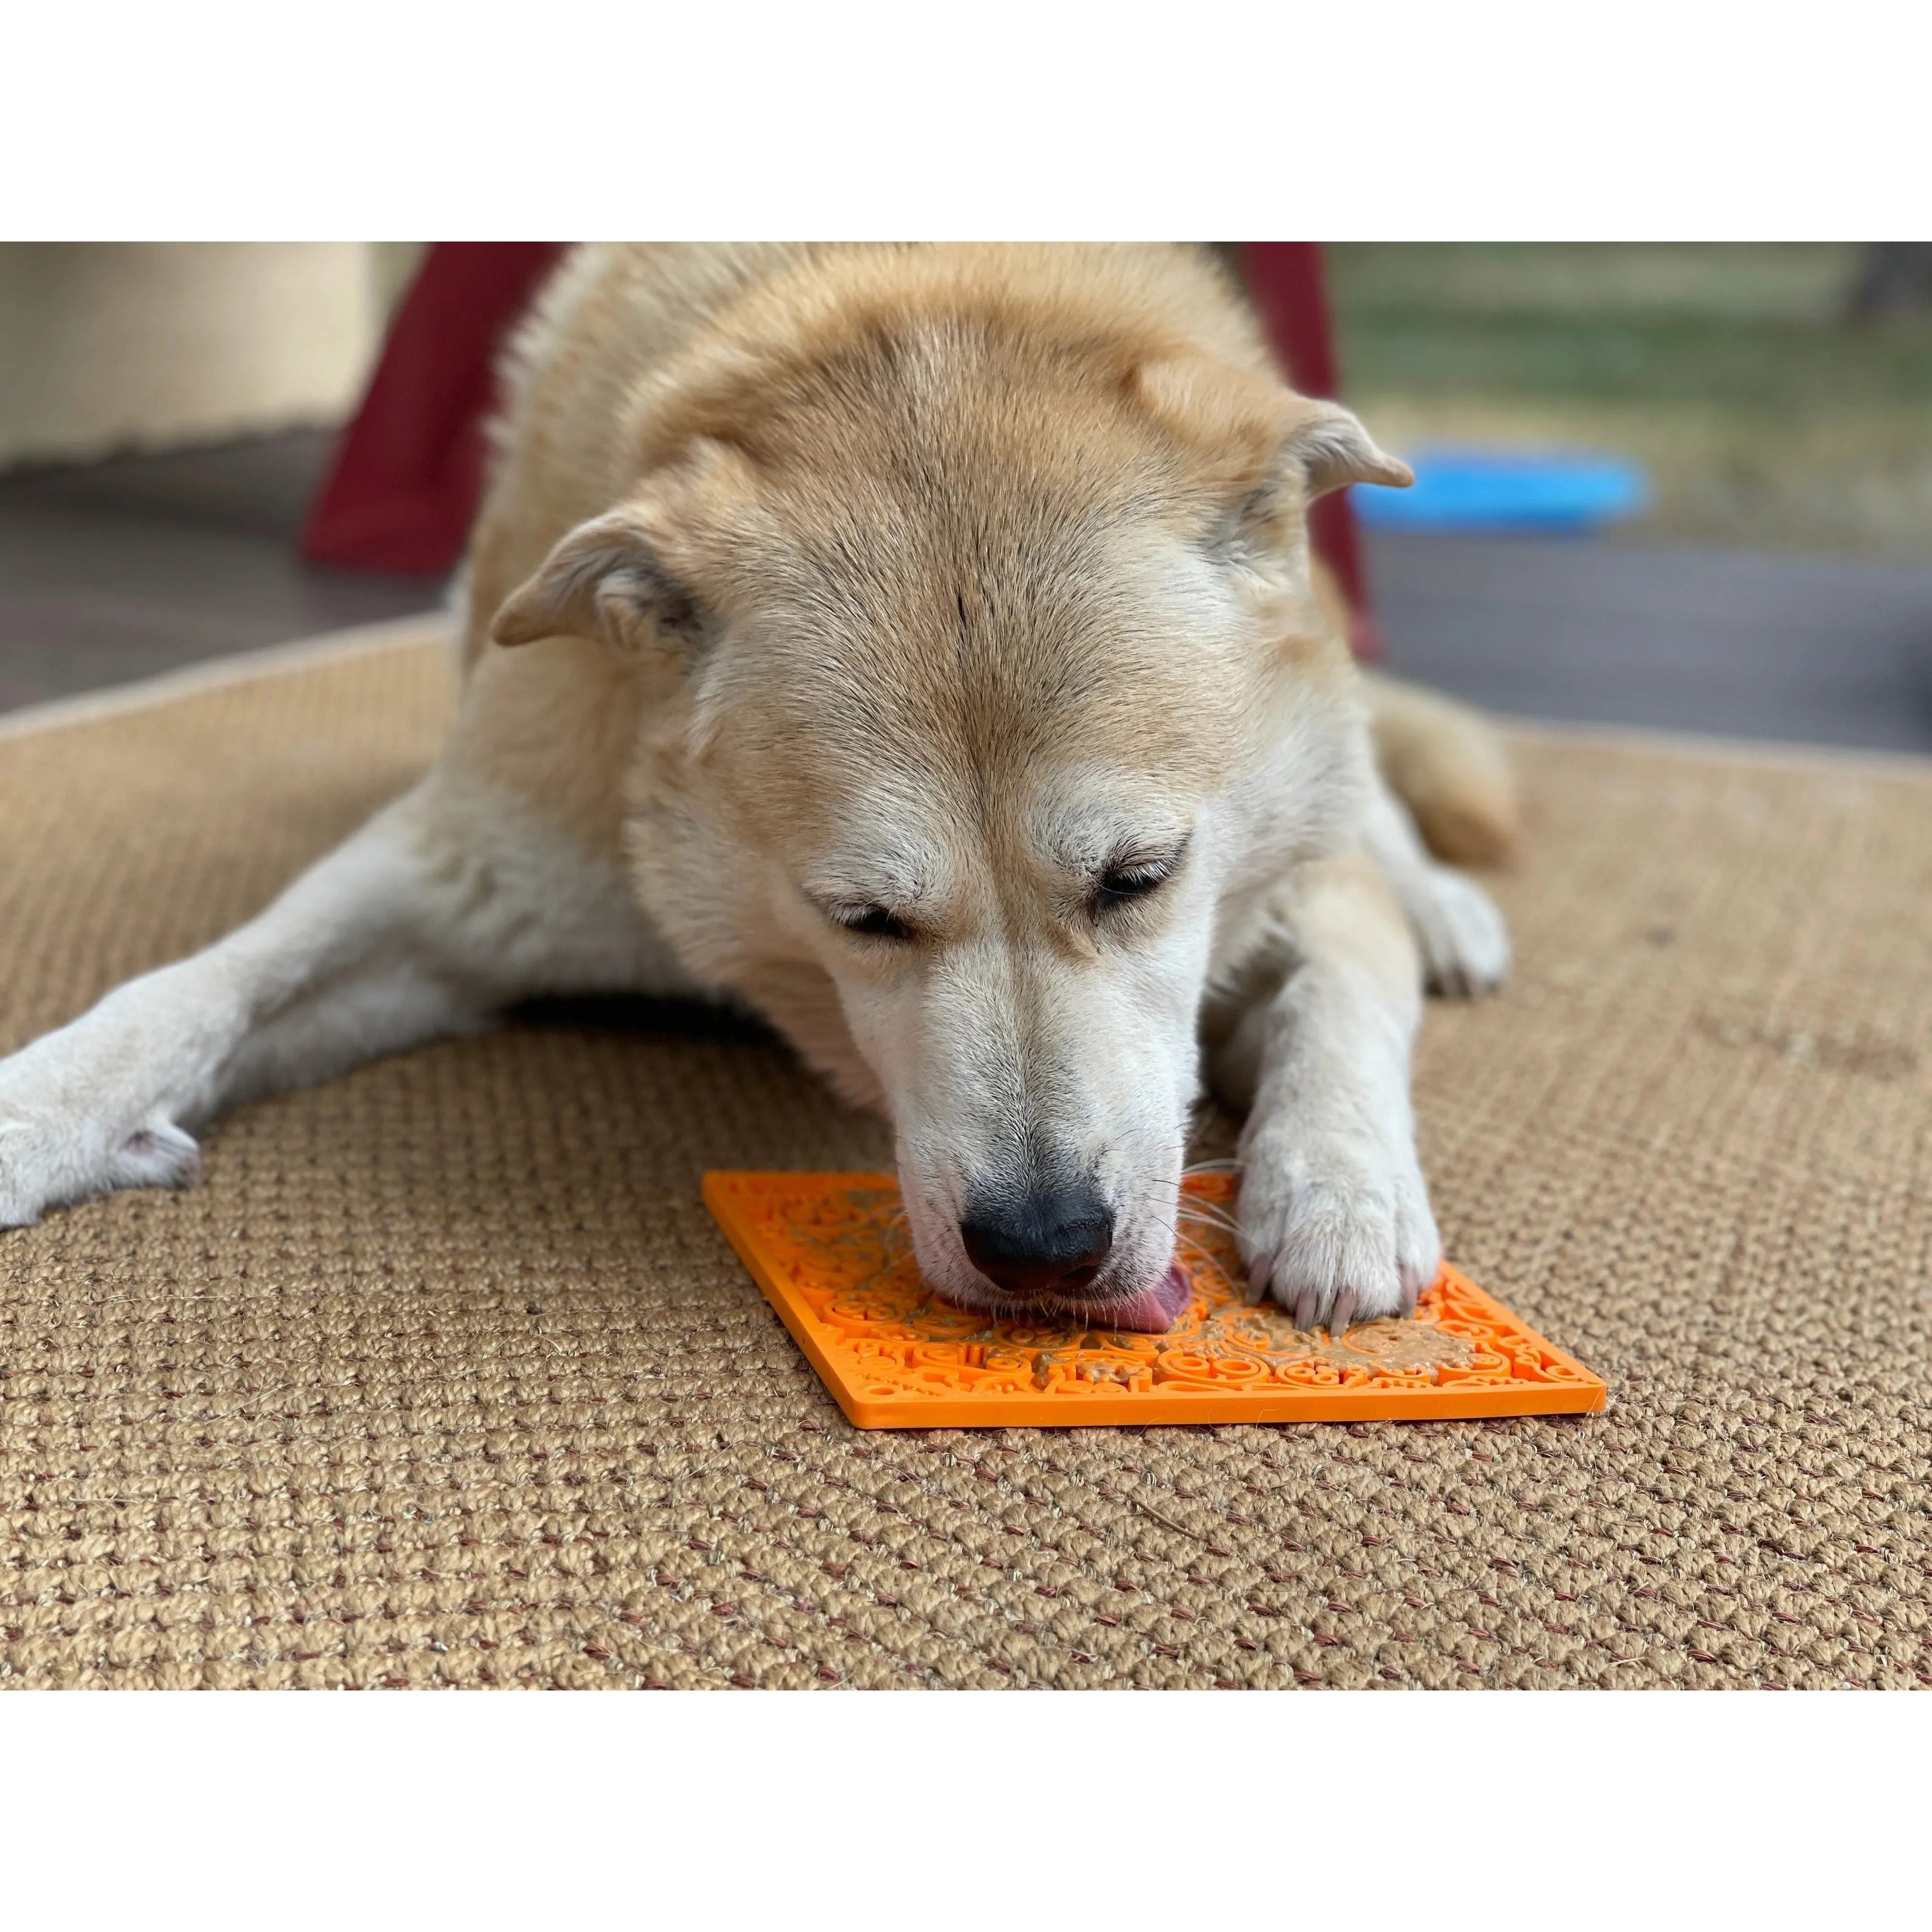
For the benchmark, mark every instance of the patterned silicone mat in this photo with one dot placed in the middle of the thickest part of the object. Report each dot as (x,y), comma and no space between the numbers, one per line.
(832,1254)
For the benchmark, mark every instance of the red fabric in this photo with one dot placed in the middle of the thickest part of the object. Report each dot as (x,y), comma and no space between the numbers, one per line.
(409,469)
(1285,283)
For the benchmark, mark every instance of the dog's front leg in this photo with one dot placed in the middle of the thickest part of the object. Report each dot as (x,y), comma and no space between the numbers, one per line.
(1335,1218)
(446,906)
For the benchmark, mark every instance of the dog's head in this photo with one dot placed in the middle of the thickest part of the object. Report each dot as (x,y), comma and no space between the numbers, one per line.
(994,679)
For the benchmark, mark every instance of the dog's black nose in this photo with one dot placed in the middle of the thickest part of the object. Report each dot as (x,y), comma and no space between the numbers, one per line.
(1044,1241)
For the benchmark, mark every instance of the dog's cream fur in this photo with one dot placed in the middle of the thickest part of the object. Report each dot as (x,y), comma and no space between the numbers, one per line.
(960,593)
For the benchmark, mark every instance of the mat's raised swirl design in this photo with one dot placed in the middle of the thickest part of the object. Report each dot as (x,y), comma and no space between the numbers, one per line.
(831,1253)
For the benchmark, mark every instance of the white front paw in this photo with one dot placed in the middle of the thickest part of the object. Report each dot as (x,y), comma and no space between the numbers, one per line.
(1337,1228)
(1466,947)
(65,1137)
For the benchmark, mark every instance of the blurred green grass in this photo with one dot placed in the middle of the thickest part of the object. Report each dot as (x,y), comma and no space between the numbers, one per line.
(1766,420)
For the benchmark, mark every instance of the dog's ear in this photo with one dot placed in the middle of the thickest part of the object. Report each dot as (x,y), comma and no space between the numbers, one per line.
(1320,447)
(632,577)
(1326,447)
(607,580)
(1264,453)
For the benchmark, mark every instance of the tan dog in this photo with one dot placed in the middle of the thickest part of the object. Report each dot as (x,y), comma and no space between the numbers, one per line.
(920,644)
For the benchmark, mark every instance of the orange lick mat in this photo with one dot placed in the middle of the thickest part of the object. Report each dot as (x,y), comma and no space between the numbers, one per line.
(832,1254)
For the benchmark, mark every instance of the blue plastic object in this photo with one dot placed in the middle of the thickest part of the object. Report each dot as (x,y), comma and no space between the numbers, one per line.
(1475,489)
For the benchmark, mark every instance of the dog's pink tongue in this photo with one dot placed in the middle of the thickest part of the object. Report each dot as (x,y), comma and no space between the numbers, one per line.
(1154,1312)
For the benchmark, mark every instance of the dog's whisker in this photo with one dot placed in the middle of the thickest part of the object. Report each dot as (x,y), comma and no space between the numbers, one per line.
(1227,1222)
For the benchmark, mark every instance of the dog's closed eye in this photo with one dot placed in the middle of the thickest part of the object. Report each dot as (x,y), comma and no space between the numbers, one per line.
(1119,883)
(1127,879)
(874,922)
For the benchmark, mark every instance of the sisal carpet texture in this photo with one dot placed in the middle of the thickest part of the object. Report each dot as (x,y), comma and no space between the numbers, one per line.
(443,1376)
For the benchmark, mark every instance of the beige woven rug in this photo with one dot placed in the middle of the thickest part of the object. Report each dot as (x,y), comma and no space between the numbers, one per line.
(444,1377)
